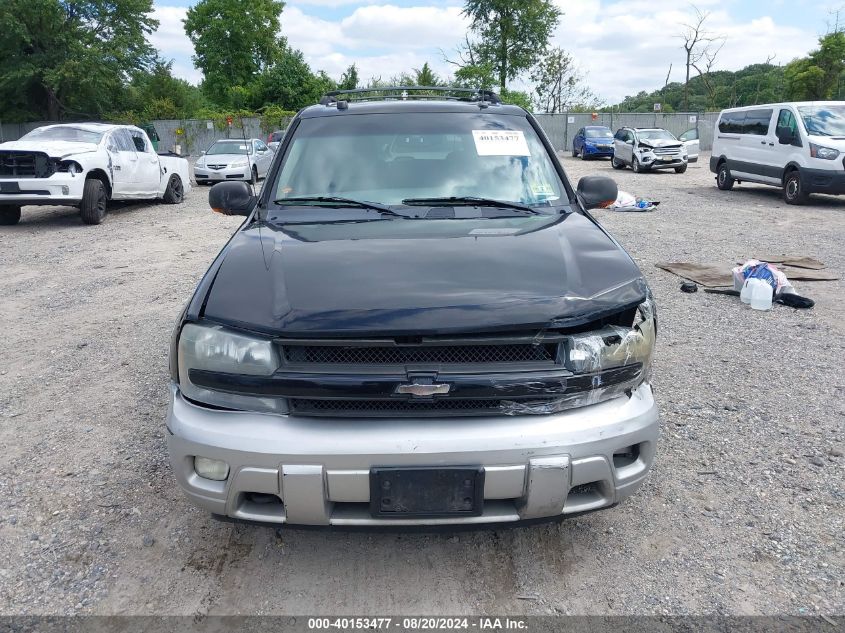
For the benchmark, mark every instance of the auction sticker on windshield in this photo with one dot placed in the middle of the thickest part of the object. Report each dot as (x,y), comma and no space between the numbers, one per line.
(500,143)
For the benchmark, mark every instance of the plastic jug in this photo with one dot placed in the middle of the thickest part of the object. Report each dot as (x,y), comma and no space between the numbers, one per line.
(745,293)
(761,294)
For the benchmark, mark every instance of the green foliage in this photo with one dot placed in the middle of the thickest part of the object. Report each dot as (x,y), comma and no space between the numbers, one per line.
(425,76)
(275,118)
(69,58)
(559,85)
(234,42)
(515,97)
(511,33)
(349,79)
(819,75)
(289,83)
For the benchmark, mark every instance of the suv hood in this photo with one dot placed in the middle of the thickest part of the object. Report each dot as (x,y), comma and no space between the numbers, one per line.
(406,280)
(54,149)
(660,142)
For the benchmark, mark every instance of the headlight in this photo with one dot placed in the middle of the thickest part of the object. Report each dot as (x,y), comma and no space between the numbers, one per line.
(219,350)
(616,346)
(645,148)
(826,153)
(239,163)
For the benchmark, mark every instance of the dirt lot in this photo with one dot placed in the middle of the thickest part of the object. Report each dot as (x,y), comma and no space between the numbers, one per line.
(743,513)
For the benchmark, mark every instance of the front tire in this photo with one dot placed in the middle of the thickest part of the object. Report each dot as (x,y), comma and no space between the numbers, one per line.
(574,152)
(94,199)
(10,215)
(175,192)
(254,179)
(681,169)
(638,169)
(793,192)
(583,155)
(724,181)
(616,163)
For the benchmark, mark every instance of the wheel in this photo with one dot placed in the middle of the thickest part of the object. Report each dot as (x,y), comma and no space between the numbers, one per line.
(636,166)
(10,215)
(175,192)
(574,152)
(583,155)
(723,178)
(616,163)
(681,169)
(254,179)
(793,193)
(94,198)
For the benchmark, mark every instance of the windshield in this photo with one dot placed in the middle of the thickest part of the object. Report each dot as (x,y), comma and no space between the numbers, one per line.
(63,133)
(598,132)
(654,135)
(823,120)
(387,158)
(229,147)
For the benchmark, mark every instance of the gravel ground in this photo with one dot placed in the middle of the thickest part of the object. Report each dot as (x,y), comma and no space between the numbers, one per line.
(743,513)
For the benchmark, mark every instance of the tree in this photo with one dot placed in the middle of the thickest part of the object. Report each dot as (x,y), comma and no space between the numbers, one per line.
(349,79)
(70,57)
(288,83)
(425,76)
(559,83)
(234,41)
(511,33)
(699,44)
(158,85)
(819,75)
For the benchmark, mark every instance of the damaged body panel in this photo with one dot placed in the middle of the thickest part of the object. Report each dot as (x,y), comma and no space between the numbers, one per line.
(367,334)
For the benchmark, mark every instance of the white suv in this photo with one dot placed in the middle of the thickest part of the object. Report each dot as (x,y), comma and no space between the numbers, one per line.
(798,146)
(645,149)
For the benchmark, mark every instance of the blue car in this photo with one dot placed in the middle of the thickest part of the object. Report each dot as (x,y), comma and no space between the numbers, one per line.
(593,141)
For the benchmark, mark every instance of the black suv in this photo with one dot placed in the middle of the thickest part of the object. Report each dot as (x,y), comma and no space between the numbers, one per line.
(418,322)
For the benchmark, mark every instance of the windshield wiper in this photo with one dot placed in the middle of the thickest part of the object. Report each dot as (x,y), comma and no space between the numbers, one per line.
(337,202)
(467,201)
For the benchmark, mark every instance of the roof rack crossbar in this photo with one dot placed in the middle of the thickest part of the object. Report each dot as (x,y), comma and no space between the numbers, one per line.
(411,92)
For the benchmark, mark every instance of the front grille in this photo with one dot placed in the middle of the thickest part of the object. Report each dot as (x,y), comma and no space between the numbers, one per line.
(385,408)
(667,151)
(25,165)
(215,166)
(411,354)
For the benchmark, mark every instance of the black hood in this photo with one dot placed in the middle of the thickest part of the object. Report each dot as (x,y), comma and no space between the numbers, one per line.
(395,277)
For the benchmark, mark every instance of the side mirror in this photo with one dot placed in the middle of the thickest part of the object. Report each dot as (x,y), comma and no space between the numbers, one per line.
(596,191)
(785,135)
(629,141)
(231,198)
(202,152)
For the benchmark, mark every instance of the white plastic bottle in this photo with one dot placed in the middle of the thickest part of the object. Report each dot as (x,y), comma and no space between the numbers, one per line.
(745,293)
(761,295)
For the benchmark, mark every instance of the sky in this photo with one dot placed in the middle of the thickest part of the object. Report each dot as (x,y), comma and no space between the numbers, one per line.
(622,46)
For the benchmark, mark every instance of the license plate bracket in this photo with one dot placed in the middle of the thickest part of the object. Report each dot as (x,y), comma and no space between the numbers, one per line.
(446,491)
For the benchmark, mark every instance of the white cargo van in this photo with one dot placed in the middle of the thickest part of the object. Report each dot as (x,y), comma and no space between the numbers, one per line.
(798,146)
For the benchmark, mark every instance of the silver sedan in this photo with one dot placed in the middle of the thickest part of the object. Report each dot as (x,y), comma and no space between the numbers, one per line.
(234,159)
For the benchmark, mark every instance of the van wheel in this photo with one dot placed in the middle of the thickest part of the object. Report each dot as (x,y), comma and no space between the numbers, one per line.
(616,163)
(10,215)
(681,169)
(793,193)
(175,192)
(93,207)
(723,178)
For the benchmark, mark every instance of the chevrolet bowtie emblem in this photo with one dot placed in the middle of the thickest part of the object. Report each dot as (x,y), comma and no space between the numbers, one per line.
(418,390)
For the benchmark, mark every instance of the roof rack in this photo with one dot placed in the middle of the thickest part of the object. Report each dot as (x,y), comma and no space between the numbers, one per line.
(415,93)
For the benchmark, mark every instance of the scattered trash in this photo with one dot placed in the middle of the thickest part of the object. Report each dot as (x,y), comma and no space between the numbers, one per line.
(755,269)
(626,202)
(688,286)
(717,276)
(795,301)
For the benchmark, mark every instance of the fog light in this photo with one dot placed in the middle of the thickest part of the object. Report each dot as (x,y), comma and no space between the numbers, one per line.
(211,468)
(65,190)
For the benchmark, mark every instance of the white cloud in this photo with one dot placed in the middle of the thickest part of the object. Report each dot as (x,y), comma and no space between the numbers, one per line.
(170,37)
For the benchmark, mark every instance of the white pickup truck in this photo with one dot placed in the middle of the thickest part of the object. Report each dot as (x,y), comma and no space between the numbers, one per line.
(86,165)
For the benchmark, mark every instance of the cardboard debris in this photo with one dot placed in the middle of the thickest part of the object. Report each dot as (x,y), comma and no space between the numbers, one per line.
(798,261)
(717,276)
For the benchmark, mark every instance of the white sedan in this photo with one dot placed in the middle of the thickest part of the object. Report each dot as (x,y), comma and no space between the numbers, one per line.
(234,159)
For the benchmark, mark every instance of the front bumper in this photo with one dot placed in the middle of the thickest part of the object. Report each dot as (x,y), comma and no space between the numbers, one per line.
(652,162)
(62,188)
(823,181)
(204,174)
(316,471)
(594,150)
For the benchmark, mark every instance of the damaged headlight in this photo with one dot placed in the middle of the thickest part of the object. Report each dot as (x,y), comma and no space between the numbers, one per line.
(615,346)
(210,350)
